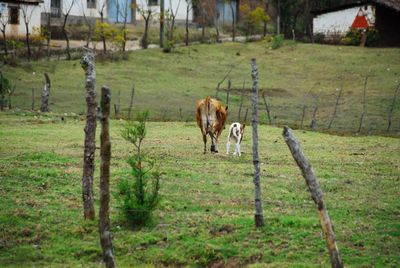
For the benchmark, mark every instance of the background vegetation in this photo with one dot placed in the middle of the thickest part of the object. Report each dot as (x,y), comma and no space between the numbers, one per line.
(292,76)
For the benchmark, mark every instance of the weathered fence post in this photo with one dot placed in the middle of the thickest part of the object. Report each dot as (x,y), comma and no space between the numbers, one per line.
(117,106)
(363,110)
(259,220)
(33,99)
(392,108)
(180,112)
(88,64)
(228,92)
(267,108)
(241,100)
(131,103)
(105,154)
(303,115)
(336,105)
(245,115)
(44,107)
(316,194)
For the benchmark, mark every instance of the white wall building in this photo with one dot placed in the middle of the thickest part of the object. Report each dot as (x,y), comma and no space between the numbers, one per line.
(339,22)
(14,13)
(178,6)
(90,8)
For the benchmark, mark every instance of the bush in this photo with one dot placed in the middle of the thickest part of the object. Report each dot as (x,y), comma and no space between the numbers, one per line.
(277,41)
(319,38)
(138,194)
(353,37)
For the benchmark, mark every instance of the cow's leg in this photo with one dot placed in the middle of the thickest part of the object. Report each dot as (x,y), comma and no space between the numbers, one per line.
(228,144)
(237,148)
(214,148)
(205,142)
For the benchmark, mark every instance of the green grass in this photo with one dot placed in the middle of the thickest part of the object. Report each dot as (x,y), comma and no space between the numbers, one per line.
(166,83)
(206,213)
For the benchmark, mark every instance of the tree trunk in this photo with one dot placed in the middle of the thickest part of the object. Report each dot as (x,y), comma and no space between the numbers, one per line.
(267,108)
(363,111)
(5,41)
(162,13)
(316,194)
(259,220)
(233,22)
(105,154)
(131,103)
(48,39)
(392,108)
(88,64)
(28,43)
(45,94)
(146,29)
(187,26)
(303,115)
(64,31)
(336,105)
(103,37)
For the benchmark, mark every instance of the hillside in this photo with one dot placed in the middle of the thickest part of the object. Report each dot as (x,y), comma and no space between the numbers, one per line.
(292,76)
(206,213)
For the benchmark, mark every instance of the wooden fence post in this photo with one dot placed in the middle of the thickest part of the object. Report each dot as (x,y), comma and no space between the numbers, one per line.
(241,100)
(316,194)
(363,111)
(33,99)
(131,102)
(228,91)
(267,108)
(259,219)
(88,64)
(336,105)
(392,108)
(44,107)
(105,154)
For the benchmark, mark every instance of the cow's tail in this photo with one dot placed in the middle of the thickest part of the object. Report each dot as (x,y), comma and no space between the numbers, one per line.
(207,105)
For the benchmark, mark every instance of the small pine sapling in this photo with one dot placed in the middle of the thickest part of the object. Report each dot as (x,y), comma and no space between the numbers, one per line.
(139,193)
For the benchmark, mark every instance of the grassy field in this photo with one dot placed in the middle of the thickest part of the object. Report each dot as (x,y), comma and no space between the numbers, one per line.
(206,214)
(291,76)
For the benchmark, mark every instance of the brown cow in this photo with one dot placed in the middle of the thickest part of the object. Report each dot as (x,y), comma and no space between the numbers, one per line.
(211,117)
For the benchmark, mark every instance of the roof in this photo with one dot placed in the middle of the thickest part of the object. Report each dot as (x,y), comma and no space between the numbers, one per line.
(393,4)
(29,2)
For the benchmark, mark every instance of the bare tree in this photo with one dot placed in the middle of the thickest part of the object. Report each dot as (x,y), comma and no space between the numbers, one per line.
(259,219)
(105,154)
(3,24)
(102,33)
(88,23)
(66,10)
(171,18)
(162,17)
(45,94)
(189,7)
(88,64)
(316,194)
(147,13)
(27,12)
(123,11)
(233,19)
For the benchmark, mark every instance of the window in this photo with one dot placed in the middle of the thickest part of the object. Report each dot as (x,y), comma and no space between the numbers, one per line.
(153,3)
(91,3)
(55,8)
(13,15)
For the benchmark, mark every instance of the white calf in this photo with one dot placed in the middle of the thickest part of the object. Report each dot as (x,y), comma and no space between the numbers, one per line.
(236,131)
